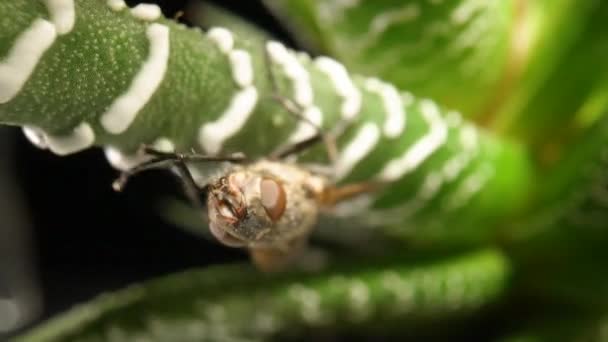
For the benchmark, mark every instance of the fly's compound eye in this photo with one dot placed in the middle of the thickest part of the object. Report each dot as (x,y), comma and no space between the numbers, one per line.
(273,198)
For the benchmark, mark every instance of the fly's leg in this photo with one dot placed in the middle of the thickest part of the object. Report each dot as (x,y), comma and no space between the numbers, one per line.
(190,157)
(176,162)
(336,194)
(296,110)
(299,147)
(191,189)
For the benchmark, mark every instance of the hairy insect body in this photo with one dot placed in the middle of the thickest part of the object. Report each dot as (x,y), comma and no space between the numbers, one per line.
(268,207)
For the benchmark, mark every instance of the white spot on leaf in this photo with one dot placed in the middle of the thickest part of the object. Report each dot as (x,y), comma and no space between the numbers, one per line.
(81,138)
(146,12)
(63,14)
(23,57)
(360,146)
(421,150)
(213,135)
(222,38)
(124,109)
(242,69)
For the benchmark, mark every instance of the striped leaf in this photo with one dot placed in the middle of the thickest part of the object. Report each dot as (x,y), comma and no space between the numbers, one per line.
(119,78)
(562,89)
(229,303)
(457,52)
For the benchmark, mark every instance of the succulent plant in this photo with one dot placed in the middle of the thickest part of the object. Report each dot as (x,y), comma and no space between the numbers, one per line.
(485,118)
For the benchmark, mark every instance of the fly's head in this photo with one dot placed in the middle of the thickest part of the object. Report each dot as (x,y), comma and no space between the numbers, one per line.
(227,207)
(247,208)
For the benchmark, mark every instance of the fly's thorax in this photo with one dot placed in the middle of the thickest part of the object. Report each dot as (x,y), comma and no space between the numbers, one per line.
(265,204)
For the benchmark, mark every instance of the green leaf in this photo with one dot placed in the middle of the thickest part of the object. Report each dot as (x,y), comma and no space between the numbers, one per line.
(432,158)
(566,67)
(560,244)
(456,52)
(304,26)
(234,302)
(207,15)
(572,197)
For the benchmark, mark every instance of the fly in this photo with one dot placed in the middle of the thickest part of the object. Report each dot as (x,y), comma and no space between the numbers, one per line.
(268,206)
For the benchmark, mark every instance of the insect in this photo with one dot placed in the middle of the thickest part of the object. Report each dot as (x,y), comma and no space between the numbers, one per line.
(269,206)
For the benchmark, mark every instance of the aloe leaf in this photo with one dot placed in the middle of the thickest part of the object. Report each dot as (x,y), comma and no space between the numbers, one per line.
(560,244)
(236,302)
(83,72)
(457,52)
(119,81)
(206,15)
(558,82)
(519,69)
(564,230)
(572,195)
(305,26)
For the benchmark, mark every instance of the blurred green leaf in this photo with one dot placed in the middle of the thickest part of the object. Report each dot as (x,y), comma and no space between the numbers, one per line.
(565,67)
(234,302)
(454,51)
(532,72)
(207,15)
(454,174)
